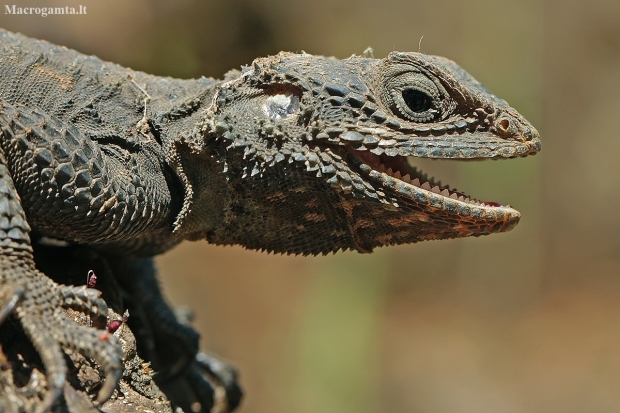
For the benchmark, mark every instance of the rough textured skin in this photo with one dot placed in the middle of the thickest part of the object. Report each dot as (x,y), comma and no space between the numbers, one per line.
(295,154)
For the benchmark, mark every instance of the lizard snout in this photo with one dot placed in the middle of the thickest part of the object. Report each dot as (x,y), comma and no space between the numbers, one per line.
(508,127)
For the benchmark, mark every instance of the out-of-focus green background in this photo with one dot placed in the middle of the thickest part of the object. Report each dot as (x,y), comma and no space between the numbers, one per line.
(527,321)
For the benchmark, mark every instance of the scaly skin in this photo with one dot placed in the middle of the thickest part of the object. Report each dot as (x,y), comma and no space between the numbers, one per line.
(295,154)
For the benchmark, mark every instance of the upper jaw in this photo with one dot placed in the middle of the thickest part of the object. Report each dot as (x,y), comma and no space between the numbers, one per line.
(503,136)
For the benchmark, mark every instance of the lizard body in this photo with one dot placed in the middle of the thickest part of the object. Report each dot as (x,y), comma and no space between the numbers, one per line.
(294,154)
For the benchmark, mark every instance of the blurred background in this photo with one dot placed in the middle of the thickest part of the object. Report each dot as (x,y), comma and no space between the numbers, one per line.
(527,321)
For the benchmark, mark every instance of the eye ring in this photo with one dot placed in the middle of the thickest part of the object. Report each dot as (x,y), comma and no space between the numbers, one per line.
(413,94)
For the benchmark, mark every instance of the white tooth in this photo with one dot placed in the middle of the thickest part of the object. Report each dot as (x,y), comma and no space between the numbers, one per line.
(389,171)
(407,178)
(397,175)
(435,189)
(381,168)
(445,192)
(426,186)
(467,200)
(416,182)
(453,196)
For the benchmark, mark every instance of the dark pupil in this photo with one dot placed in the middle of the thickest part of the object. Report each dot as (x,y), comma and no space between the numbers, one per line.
(416,100)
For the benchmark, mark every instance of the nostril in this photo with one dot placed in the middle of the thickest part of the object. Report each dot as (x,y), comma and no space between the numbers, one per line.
(504,125)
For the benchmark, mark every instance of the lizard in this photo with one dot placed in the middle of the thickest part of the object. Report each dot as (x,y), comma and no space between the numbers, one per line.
(294,153)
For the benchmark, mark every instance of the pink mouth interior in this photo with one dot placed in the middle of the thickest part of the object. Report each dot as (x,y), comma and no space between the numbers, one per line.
(397,167)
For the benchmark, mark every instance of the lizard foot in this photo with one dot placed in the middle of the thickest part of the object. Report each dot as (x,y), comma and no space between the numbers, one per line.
(39,307)
(208,385)
(223,378)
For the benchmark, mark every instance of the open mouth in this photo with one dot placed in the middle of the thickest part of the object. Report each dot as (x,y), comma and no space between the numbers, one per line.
(398,168)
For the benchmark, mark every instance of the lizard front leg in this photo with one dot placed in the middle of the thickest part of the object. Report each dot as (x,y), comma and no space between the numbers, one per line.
(38,302)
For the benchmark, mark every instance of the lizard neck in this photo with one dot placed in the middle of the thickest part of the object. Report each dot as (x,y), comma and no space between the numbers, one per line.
(195,164)
(206,192)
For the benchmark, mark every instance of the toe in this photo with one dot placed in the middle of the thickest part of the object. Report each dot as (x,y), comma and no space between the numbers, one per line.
(52,357)
(82,298)
(98,345)
(224,377)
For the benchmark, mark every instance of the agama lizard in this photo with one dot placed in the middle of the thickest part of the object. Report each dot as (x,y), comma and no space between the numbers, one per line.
(295,153)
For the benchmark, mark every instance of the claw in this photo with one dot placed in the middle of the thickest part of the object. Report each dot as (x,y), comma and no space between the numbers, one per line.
(50,399)
(113,376)
(78,401)
(16,297)
(56,369)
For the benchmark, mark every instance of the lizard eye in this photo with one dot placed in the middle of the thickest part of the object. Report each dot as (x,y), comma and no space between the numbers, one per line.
(411,95)
(417,100)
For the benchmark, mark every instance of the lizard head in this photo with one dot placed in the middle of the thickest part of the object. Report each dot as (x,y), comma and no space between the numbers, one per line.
(315,151)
